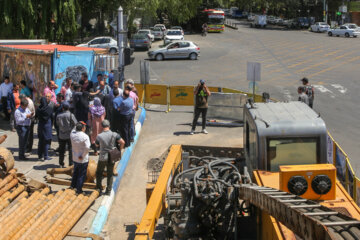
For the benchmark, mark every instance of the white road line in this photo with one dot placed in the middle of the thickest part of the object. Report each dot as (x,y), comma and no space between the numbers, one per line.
(340,88)
(322,89)
(153,79)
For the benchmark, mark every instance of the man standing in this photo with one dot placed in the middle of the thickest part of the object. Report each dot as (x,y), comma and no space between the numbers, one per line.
(134,97)
(106,140)
(116,86)
(102,89)
(201,105)
(31,107)
(99,79)
(309,91)
(66,121)
(123,106)
(13,102)
(80,142)
(5,88)
(25,89)
(66,86)
(51,89)
(23,121)
(86,85)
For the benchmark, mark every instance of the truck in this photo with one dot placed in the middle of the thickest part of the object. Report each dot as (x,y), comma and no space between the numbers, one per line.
(259,21)
(279,185)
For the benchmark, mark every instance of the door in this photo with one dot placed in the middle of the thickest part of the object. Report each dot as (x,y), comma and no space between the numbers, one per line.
(184,50)
(95,43)
(105,43)
(172,50)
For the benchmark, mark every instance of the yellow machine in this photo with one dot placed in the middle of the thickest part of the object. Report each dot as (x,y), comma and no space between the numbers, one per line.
(314,182)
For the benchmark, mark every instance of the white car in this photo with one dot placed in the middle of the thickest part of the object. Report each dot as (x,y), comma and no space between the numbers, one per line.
(162,26)
(102,42)
(147,32)
(344,30)
(172,35)
(320,27)
(352,26)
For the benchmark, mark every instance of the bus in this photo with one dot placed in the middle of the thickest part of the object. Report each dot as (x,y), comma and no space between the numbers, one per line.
(215,20)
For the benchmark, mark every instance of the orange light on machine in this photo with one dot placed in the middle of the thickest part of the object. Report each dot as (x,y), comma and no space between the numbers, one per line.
(314,182)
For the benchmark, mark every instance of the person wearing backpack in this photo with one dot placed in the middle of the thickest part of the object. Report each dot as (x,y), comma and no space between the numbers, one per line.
(201,93)
(309,91)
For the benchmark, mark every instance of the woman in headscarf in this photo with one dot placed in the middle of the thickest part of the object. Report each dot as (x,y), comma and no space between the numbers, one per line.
(82,108)
(96,116)
(44,115)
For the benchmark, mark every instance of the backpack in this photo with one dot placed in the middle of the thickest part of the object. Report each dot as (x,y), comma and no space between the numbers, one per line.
(309,91)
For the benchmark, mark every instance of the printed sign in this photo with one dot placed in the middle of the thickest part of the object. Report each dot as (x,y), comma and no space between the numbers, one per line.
(156,94)
(182,95)
(253,71)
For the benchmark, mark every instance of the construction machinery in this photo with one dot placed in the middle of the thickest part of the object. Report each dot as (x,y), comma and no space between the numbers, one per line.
(278,186)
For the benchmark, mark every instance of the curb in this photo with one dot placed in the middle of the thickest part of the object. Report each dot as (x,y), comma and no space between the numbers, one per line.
(103,211)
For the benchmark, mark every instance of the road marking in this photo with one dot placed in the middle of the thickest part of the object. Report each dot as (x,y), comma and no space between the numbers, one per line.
(338,65)
(322,89)
(340,88)
(153,79)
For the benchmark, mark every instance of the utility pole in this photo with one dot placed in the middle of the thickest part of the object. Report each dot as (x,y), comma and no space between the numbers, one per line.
(120,42)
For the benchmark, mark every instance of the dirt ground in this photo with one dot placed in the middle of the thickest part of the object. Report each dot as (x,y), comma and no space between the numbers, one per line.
(159,132)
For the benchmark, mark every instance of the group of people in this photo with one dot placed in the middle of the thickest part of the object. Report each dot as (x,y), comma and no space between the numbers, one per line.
(85,115)
(306,92)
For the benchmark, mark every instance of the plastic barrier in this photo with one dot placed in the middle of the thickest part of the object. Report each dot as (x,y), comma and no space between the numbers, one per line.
(226,104)
(258,98)
(182,95)
(156,94)
(140,89)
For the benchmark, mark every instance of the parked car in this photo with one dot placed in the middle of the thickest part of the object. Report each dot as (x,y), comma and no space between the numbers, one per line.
(172,35)
(291,24)
(352,25)
(102,42)
(303,22)
(319,27)
(176,49)
(147,32)
(162,26)
(344,30)
(270,19)
(140,41)
(259,21)
(251,17)
(157,32)
(278,21)
(178,28)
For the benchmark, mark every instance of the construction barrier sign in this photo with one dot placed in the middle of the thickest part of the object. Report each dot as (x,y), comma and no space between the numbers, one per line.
(182,95)
(140,90)
(214,89)
(156,94)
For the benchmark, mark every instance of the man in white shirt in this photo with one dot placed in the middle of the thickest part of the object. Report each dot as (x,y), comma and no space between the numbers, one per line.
(5,88)
(23,121)
(31,107)
(80,142)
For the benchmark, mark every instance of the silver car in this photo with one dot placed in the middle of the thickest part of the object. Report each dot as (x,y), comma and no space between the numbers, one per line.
(102,42)
(176,49)
(320,27)
(157,32)
(344,30)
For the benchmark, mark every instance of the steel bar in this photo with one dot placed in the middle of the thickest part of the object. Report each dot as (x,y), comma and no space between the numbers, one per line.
(15,204)
(342,223)
(8,178)
(306,206)
(320,213)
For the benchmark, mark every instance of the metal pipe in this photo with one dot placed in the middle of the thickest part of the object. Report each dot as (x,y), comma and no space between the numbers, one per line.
(8,186)
(59,197)
(53,216)
(78,215)
(56,221)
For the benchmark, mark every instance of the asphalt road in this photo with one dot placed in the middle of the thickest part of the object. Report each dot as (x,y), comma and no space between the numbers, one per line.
(332,65)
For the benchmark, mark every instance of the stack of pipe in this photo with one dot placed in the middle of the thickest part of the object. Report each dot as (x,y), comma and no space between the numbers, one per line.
(41,215)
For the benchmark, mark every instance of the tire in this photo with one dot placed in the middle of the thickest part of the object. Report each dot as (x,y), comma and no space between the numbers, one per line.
(347,35)
(318,30)
(330,34)
(355,36)
(159,57)
(193,56)
(112,51)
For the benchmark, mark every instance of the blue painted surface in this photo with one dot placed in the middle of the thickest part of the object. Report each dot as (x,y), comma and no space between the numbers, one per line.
(102,213)
(73,64)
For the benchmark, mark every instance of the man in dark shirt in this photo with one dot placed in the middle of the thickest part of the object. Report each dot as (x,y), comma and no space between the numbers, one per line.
(201,105)
(86,85)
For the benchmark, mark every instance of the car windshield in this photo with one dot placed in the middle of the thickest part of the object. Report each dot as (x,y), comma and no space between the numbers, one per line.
(322,23)
(157,29)
(173,33)
(139,36)
(292,151)
(352,26)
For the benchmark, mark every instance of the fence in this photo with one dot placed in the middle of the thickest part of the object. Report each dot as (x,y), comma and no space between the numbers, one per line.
(106,62)
(183,95)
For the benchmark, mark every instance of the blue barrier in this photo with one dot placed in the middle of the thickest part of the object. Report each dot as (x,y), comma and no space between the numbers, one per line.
(103,211)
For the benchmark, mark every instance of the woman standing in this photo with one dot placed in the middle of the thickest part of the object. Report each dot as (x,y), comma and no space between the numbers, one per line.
(82,108)
(96,116)
(44,114)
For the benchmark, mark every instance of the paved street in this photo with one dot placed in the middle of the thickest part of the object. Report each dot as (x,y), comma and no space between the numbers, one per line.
(330,63)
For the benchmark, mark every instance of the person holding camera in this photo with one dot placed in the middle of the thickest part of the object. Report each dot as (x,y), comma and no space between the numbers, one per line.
(201,93)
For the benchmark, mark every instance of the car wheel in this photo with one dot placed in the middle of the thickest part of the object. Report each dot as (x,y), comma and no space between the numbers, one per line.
(193,56)
(347,35)
(159,57)
(318,30)
(354,36)
(112,51)
(330,34)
